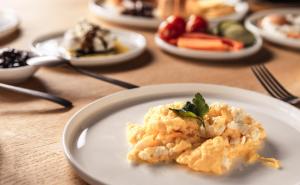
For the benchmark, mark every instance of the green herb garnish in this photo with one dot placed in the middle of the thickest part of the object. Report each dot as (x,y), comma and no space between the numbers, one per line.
(197,109)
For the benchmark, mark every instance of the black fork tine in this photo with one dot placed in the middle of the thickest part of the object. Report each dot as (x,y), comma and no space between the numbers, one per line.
(275,82)
(263,81)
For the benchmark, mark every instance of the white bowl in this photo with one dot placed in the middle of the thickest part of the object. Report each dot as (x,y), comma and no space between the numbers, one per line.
(210,55)
(17,74)
(250,24)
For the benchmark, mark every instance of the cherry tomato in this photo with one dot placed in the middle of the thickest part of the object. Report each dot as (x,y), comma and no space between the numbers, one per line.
(196,24)
(179,23)
(171,28)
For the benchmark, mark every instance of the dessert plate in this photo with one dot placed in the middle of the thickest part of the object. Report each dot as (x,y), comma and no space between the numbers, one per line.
(94,139)
(9,22)
(50,45)
(251,24)
(109,13)
(209,55)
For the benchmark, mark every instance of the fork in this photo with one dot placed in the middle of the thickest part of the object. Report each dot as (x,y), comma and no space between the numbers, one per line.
(273,86)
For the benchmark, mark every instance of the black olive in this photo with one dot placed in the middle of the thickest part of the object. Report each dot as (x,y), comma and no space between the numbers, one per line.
(11,58)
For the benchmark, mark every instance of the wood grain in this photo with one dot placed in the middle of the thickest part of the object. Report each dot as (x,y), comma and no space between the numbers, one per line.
(31,129)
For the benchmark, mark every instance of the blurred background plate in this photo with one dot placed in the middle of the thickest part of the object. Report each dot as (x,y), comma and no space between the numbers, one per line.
(9,22)
(251,24)
(109,13)
(210,55)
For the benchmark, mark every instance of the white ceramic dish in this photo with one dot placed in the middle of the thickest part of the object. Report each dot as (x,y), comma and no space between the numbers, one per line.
(210,55)
(251,21)
(94,139)
(17,74)
(110,14)
(9,22)
(50,45)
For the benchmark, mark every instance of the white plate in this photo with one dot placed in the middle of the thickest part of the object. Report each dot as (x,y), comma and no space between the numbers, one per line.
(9,22)
(94,139)
(250,24)
(110,14)
(136,43)
(210,55)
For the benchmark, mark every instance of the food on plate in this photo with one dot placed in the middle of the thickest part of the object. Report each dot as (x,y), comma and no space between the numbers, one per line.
(211,139)
(209,9)
(86,39)
(139,8)
(173,27)
(282,25)
(12,58)
(236,31)
(226,36)
(196,24)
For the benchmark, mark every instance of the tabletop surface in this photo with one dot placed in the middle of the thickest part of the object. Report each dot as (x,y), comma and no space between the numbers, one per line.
(31,129)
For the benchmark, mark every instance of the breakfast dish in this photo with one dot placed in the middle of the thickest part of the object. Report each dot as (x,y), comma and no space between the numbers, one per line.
(209,9)
(138,8)
(204,138)
(89,39)
(95,139)
(149,13)
(280,26)
(87,44)
(194,34)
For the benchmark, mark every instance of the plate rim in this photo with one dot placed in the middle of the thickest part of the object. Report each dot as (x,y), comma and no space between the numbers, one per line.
(210,55)
(92,179)
(251,26)
(111,60)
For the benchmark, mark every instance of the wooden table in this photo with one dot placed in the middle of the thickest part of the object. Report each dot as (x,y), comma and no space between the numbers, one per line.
(31,129)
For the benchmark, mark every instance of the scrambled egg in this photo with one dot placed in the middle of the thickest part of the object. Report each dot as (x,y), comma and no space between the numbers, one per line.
(229,135)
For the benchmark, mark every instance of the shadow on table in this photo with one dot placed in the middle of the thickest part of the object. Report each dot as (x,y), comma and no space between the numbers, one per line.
(14,97)
(141,61)
(263,56)
(11,37)
(33,83)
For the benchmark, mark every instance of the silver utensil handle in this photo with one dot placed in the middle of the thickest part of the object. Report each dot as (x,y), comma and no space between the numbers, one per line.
(65,103)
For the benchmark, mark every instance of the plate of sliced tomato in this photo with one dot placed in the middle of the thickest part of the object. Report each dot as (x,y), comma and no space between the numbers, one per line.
(195,38)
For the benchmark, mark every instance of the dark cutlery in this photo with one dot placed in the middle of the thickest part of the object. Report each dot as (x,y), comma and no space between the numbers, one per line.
(54,61)
(65,103)
(273,86)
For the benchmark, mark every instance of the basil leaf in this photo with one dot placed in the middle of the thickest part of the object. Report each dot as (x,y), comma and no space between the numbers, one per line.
(197,109)
(200,104)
